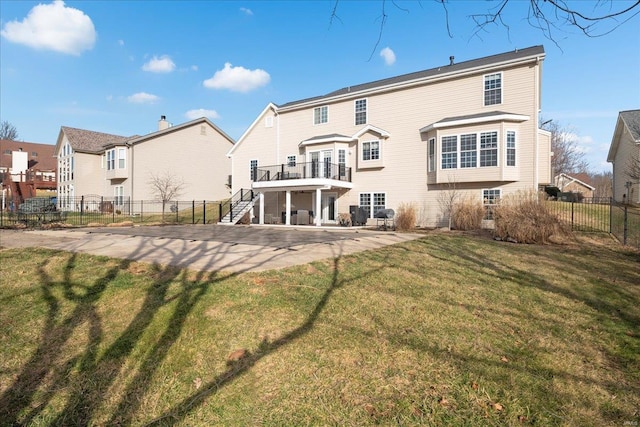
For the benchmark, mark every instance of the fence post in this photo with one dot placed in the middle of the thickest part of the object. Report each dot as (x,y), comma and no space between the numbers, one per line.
(204,212)
(193,212)
(610,215)
(572,224)
(626,226)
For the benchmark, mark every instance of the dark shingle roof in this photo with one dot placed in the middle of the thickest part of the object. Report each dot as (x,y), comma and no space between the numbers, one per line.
(461,66)
(632,120)
(43,161)
(90,141)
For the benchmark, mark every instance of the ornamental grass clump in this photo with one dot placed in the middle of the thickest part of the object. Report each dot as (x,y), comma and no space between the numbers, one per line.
(523,218)
(406,217)
(467,214)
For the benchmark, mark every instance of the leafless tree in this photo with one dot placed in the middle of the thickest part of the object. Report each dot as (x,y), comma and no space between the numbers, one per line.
(567,157)
(8,131)
(603,184)
(551,17)
(165,187)
(447,199)
(633,167)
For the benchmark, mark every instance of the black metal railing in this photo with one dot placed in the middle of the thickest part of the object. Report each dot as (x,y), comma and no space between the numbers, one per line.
(96,210)
(312,169)
(235,204)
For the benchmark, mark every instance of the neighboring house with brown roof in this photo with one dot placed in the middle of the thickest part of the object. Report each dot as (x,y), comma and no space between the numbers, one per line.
(624,153)
(119,168)
(578,183)
(468,127)
(39,157)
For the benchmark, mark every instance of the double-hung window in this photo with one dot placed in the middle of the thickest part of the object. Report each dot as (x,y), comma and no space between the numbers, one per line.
(122,157)
(490,199)
(511,148)
(118,195)
(111,159)
(489,149)
(361,111)
(372,203)
(320,115)
(291,160)
(432,154)
(468,152)
(371,150)
(253,166)
(493,89)
(449,152)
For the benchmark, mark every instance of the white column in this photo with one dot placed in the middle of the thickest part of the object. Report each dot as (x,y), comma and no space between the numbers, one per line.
(318,207)
(287,216)
(261,201)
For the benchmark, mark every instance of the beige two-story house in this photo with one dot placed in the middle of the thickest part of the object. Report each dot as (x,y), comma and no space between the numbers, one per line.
(119,169)
(471,126)
(624,154)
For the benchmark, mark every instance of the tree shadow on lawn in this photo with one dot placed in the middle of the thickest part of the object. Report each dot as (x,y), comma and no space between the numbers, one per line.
(88,376)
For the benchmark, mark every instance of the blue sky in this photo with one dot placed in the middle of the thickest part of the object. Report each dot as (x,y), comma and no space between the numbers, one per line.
(117,66)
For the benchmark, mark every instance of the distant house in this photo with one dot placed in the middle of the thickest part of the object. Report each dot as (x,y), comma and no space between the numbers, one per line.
(623,153)
(469,127)
(24,168)
(119,168)
(576,183)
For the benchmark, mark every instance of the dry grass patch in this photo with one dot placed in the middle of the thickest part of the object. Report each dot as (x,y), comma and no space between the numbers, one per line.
(451,329)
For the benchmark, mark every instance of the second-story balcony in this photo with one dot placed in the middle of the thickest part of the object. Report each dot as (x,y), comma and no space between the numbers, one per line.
(311,175)
(310,170)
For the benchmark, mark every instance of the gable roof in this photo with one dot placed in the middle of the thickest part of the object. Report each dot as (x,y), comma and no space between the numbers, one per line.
(456,68)
(45,154)
(629,119)
(475,118)
(580,178)
(138,139)
(88,141)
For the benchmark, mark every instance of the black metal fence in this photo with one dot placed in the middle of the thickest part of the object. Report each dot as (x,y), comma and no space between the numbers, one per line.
(85,211)
(600,214)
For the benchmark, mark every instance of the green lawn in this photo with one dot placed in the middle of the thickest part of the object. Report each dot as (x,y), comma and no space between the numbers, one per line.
(451,329)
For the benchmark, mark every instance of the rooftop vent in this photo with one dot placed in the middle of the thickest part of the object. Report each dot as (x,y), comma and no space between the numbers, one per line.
(451,58)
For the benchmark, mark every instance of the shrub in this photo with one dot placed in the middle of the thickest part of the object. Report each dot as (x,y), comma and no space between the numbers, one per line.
(522,217)
(406,217)
(467,214)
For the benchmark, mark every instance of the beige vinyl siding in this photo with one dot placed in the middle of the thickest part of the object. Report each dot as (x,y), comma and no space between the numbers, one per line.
(401,113)
(88,176)
(198,160)
(627,149)
(544,158)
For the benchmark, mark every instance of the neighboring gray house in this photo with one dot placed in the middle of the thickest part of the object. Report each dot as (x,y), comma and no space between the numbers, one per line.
(624,154)
(120,168)
(408,139)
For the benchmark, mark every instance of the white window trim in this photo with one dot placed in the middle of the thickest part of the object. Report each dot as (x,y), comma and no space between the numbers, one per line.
(124,158)
(501,89)
(432,155)
(506,148)
(371,196)
(313,116)
(478,149)
(366,111)
(268,121)
(379,150)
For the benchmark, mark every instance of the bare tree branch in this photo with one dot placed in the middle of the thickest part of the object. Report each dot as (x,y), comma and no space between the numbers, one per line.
(567,157)
(165,187)
(8,131)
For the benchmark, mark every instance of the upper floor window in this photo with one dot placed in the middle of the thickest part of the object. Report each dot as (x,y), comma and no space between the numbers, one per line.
(511,148)
(111,159)
(493,89)
(468,151)
(253,166)
(361,111)
(7,151)
(34,154)
(489,149)
(432,154)
(320,115)
(291,160)
(122,156)
(371,150)
(449,152)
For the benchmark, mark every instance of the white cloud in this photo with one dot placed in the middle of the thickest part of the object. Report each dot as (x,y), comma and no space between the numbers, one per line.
(200,112)
(53,27)
(121,42)
(194,68)
(246,11)
(237,79)
(163,64)
(388,55)
(143,98)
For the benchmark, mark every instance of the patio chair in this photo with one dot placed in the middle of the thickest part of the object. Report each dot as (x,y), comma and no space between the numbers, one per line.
(303,217)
